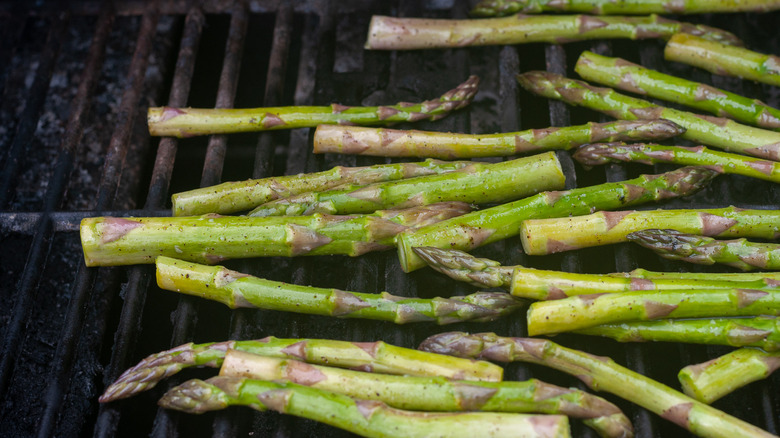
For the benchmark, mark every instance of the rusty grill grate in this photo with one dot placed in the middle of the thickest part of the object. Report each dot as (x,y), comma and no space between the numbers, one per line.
(76,79)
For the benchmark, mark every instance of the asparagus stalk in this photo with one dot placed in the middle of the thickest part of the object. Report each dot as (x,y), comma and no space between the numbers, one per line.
(477,183)
(188,122)
(500,8)
(602,153)
(556,316)
(547,236)
(708,130)
(761,331)
(376,356)
(539,284)
(723,59)
(231,197)
(385,142)
(237,290)
(392,33)
(599,373)
(496,223)
(109,241)
(627,76)
(434,394)
(363,417)
(739,253)
(713,379)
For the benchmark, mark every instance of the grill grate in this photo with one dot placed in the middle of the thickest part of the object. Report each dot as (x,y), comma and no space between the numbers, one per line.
(67,331)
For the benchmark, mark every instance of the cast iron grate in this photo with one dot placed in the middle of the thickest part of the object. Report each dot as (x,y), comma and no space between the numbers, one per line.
(76,79)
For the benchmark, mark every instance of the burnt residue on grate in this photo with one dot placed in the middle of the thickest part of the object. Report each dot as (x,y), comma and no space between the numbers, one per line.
(66,331)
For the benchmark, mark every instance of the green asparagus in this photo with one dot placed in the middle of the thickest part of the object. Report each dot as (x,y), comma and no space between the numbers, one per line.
(236,290)
(760,331)
(724,162)
(363,417)
(703,250)
(601,374)
(723,59)
(231,197)
(499,8)
(376,356)
(556,316)
(109,241)
(708,130)
(434,394)
(546,236)
(496,223)
(392,33)
(713,379)
(477,183)
(627,76)
(385,142)
(539,284)
(188,122)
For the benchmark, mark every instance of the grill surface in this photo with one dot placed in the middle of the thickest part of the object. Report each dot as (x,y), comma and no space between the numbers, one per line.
(76,81)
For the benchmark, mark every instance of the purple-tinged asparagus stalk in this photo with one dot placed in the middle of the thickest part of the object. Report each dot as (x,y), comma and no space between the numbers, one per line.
(599,373)
(188,122)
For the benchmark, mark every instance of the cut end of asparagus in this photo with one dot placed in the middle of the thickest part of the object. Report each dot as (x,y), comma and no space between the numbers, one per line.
(464,267)
(195,397)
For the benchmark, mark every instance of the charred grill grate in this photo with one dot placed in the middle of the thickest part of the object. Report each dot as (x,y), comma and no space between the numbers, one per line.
(75,82)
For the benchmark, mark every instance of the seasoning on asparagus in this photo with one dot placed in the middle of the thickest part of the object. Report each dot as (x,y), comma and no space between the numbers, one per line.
(599,373)
(724,162)
(703,250)
(477,183)
(547,236)
(707,130)
(434,394)
(231,197)
(540,284)
(581,311)
(500,8)
(761,331)
(188,122)
(627,76)
(496,223)
(384,142)
(713,379)
(236,290)
(722,59)
(376,356)
(393,33)
(110,241)
(364,417)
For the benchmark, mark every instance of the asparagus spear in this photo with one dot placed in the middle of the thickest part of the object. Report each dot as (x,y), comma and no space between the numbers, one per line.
(599,373)
(433,394)
(231,197)
(188,122)
(236,290)
(363,417)
(496,223)
(556,316)
(109,241)
(546,236)
(376,356)
(723,60)
(602,153)
(392,33)
(760,331)
(477,183)
(739,253)
(385,142)
(539,284)
(708,130)
(627,76)
(499,8)
(713,379)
